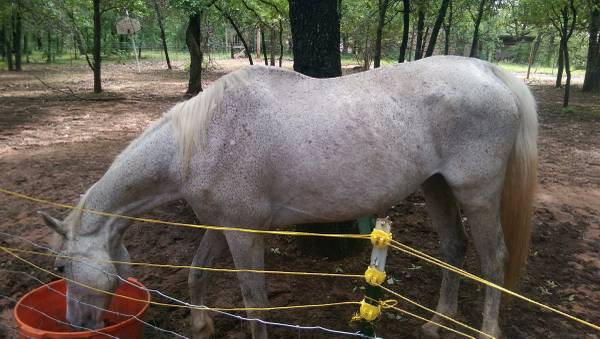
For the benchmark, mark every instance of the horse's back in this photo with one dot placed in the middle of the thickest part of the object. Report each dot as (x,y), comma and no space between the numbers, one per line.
(301,141)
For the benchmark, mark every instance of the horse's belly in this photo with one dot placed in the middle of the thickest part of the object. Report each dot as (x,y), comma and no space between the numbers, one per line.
(344,194)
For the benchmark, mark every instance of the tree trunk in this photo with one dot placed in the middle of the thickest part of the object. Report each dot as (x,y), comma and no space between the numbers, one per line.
(264,45)
(436,27)
(411,44)
(97,47)
(567,31)
(568,82)
(75,50)
(49,48)
(533,53)
(316,37)
(162,33)
(559,72)
(272,46)
(3,42)
(383,6)
(9,55)
(59,44)
(315,28)
(420,27)
(258,42)
(17,36)
(280,42)
(366,54)
(474,44)
(405,29)
(26,50)
(424,42)
(193,38)
(447,29)
(591,83)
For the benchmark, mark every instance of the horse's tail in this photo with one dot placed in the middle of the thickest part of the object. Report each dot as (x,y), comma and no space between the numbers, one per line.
(520,181)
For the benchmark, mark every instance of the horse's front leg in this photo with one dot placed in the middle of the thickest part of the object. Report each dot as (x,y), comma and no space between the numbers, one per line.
(247,251)
(212,245)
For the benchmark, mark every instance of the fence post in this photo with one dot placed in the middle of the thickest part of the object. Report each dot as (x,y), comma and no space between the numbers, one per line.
(370,308)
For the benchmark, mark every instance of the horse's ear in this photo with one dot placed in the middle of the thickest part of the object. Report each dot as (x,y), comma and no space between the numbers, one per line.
(54,224)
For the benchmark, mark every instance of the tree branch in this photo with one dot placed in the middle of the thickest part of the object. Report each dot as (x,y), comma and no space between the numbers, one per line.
(255,13)
(104,10)
(266,2)
(574,11)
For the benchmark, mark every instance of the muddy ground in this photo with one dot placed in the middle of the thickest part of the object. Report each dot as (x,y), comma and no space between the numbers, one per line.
(55,145)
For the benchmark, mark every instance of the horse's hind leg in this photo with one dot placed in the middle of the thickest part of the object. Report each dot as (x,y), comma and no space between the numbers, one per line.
(212,245)
(480,202)
(445,219)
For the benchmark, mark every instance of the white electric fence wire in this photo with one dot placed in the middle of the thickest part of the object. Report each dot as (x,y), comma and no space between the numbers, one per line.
(57,320)
(258,320)
(96,307)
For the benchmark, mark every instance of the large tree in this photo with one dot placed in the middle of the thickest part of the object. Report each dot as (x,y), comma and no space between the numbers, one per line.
(193,40)
(474,53)
(591,83)
(162,32)
(382,9)
(17,35)
(315,28)
(447,27)
(97,67)
(420,33)
(405,29)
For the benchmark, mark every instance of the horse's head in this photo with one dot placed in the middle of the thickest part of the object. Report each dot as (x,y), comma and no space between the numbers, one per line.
(87,268)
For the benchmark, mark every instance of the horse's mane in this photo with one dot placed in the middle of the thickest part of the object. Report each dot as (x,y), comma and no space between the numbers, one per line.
(190,119)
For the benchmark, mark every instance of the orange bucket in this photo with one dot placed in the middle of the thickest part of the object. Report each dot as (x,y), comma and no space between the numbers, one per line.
(49,300)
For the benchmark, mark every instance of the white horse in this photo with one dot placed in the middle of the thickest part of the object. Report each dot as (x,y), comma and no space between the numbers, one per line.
(265,146)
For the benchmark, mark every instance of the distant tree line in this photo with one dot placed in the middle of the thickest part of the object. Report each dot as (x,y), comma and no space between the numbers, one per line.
(316,34)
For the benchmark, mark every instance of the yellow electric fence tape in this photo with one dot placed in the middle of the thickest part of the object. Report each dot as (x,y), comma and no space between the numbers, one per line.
(276,308)
(374,277)
(369,312)
(386,304)
(340,275)
(432,260)
(377,240)
(171,223)
(200,268)
(380,238)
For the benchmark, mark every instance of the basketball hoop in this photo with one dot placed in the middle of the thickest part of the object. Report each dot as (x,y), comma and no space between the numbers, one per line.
(128,26)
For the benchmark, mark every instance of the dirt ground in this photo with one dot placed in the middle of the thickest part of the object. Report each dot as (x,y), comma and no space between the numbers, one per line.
(55,146)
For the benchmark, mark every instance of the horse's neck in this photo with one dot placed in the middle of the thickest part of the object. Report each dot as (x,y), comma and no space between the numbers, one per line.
(143,176)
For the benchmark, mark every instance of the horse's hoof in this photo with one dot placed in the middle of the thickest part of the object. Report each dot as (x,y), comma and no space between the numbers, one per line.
(428,331)
(203,330)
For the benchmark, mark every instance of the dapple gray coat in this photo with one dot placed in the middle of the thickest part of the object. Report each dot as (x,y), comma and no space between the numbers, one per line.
(268,147)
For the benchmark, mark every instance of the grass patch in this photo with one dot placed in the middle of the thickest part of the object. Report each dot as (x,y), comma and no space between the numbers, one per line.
(522,68)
